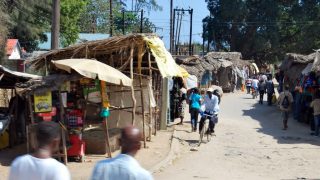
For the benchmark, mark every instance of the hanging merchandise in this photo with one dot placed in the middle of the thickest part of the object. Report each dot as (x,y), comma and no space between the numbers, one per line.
(43,102)
(66,86)
(92,92)
(105,101)
(64,99)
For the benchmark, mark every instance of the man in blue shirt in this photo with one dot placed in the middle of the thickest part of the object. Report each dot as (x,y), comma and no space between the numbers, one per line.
(124,166)
(195,103)
(211,108)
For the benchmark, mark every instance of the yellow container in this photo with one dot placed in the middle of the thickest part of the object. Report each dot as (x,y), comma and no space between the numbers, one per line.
(4,140)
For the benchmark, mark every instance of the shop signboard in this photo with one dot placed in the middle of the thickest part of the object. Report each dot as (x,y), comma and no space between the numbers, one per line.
(43,102)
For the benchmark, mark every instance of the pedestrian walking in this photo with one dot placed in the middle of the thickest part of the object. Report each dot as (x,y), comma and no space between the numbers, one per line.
(124,166)
(270,90)
(195,104)
(41,165)
(183,104)
(285,101)
(262,90)
(248,85)
(315,104)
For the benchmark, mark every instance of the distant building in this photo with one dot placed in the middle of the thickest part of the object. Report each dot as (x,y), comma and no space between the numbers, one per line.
(83,37)
(14,60)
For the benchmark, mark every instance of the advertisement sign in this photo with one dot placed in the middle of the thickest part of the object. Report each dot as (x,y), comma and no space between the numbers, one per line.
(43,102)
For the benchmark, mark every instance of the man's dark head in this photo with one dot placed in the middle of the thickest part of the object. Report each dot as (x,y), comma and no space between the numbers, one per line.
(286,87)
(130,140)
(48,134)
(196,90)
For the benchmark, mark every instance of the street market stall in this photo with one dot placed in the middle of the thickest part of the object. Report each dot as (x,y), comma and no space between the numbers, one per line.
(64,96)
(145,60)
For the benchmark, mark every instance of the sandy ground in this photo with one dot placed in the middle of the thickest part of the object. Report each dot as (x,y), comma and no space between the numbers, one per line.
(155,152)
(249,144)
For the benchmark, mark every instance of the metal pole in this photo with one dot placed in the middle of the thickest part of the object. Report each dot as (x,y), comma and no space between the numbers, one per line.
(123,23)
(202,40)
(190,40)
(178,38)
(171,26)
(141,25)
(176,33)
(55,27)
(111,19)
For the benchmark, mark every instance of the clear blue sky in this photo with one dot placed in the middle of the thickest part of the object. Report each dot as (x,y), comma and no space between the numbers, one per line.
(162,19)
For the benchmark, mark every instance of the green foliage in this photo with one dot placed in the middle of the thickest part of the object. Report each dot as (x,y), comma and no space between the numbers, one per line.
(71,11)
(29,20)
(4,22)
(95,19)
(263,30)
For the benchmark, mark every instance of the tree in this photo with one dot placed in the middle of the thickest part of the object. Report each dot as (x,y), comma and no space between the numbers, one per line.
(29,21)
(96,17)
(263,30)
(4,22)
(71,11)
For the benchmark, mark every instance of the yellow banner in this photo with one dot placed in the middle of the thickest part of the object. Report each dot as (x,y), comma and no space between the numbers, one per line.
(43,102)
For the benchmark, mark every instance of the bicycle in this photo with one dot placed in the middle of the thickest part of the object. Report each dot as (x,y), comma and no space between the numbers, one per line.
(205,129)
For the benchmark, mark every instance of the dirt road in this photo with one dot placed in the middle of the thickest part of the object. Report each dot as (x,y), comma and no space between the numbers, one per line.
(249,144)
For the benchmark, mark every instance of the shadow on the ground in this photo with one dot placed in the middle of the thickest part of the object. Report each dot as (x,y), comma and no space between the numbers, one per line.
(9,154)
(191,143)
(270,120)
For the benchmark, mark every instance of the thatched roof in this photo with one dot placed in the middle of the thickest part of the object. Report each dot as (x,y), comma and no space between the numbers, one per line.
(225,55)
(293,58)
(114,51)
(192,64)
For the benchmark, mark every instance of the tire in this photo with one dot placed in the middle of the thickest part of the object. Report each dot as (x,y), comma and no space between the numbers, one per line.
(202,133)
(206,127)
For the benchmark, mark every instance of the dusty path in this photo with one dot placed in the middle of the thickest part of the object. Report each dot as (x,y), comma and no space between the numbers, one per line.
(250,144)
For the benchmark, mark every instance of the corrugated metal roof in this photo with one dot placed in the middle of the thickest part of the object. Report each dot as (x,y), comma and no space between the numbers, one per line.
(11,43)
(83,37)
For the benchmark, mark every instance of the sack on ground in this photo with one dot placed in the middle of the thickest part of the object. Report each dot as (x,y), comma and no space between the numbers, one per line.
(274,99)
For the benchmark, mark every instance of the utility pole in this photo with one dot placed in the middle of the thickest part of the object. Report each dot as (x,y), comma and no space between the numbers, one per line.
(171,26)
(141,23)
(202,40)
(55,27)
(111,19)
(123,23)
(190,40)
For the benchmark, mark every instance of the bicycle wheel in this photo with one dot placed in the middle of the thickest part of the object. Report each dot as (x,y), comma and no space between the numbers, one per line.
(201,135)
(207,131)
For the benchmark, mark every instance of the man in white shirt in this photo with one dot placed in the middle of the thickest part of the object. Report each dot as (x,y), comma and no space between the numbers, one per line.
(211,108)
(40,165)
(124,166)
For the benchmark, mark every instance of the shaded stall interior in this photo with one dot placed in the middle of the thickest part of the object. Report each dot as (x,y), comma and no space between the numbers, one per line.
(13,111)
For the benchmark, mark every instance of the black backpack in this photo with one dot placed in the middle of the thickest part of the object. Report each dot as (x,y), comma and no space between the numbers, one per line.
(285,103)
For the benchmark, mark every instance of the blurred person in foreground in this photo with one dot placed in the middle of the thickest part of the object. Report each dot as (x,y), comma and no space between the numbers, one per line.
(41,165)
(124,166)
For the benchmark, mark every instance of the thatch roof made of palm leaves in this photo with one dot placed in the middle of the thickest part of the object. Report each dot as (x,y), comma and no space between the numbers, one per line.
(114,51)
(293,58)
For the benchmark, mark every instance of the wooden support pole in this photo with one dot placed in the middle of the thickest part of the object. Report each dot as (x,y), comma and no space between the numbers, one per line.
(150,107)
(134,102)
(30,109)
(63,133)
(105,120)
(140,54)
